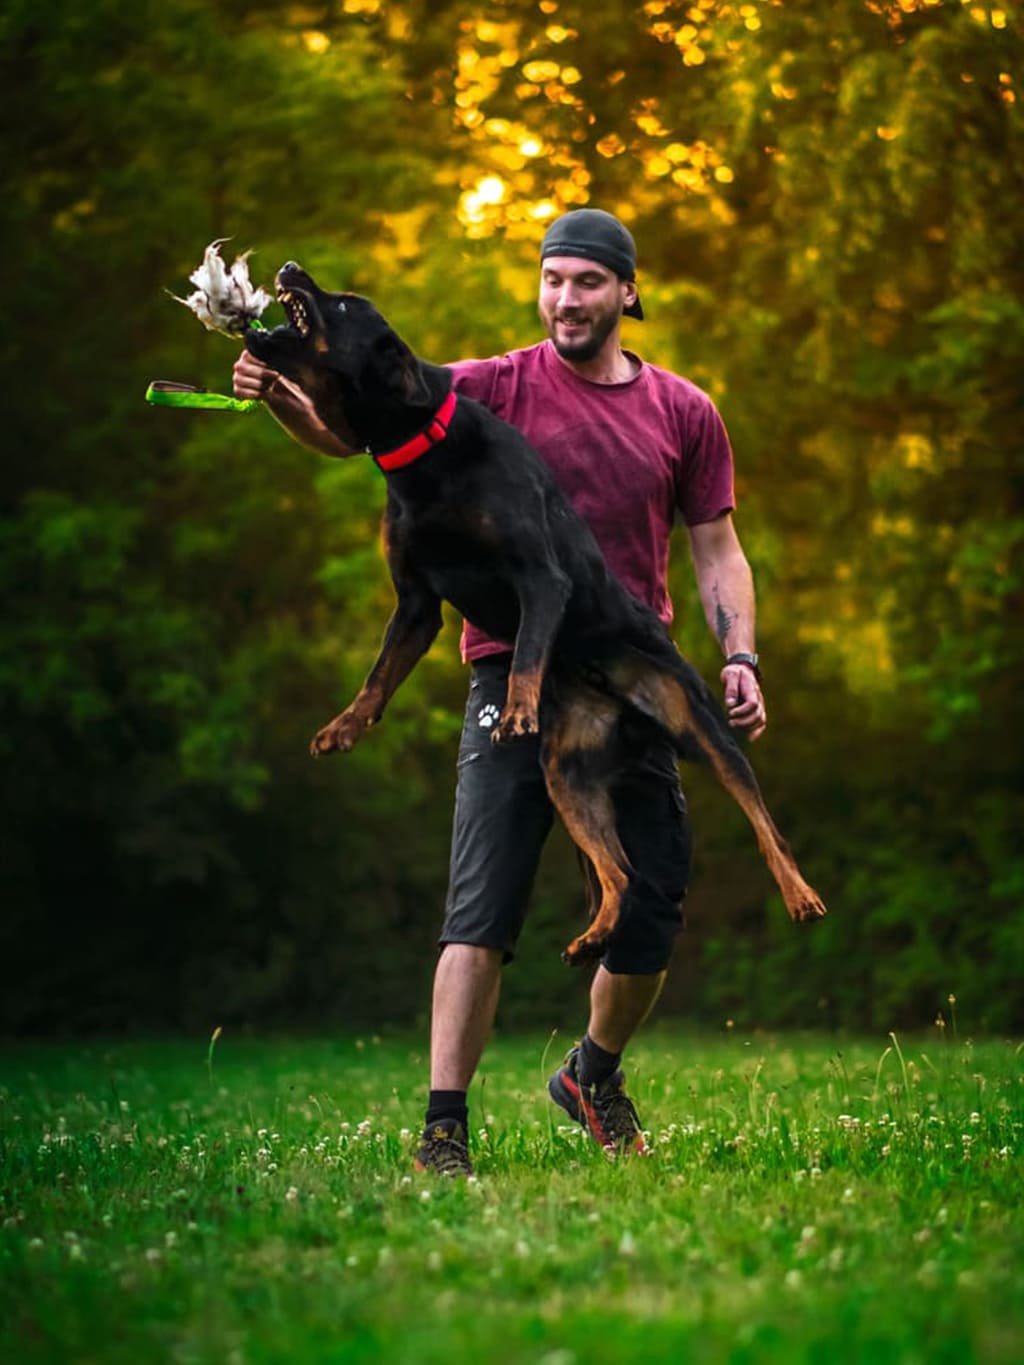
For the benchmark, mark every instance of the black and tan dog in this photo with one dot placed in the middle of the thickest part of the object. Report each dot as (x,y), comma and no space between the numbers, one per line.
(474,517)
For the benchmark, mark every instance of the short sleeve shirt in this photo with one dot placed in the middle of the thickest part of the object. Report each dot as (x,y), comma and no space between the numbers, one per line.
(630,457)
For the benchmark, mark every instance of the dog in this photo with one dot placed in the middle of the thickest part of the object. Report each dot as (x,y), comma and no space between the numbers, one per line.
(474,517)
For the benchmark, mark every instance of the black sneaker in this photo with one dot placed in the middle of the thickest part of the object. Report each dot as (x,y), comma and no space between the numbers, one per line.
(604,1110)
(444,1149)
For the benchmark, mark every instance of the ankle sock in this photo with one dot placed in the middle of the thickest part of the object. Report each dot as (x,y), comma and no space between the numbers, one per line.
(447,1104)
(594,1064)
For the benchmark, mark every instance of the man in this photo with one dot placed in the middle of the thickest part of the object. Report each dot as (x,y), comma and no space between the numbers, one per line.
(632,445)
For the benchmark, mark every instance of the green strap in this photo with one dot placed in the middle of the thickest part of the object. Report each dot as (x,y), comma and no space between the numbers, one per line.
(166,395)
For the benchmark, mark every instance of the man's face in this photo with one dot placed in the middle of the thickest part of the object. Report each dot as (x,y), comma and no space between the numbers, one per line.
(580,304)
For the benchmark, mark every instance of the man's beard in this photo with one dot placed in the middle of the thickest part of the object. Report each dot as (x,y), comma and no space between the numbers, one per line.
(586,348)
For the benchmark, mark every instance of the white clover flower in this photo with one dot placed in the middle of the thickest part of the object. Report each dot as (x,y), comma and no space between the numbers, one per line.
(291,1194)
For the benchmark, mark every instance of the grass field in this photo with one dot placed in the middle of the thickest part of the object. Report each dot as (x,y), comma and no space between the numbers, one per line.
(805,1200)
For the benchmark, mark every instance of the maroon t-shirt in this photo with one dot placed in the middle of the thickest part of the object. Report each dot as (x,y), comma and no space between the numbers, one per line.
(628,456)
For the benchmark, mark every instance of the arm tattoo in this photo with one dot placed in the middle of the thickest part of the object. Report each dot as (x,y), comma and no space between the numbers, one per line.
(724,622)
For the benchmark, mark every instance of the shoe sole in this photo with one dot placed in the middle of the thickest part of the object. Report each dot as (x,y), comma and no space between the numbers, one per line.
(421,1169)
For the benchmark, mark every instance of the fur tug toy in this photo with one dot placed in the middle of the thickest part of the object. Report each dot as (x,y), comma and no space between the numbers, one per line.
(224,301)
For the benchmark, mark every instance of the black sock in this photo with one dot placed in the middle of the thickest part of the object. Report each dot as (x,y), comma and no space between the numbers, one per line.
(594,1064)
(447,1104)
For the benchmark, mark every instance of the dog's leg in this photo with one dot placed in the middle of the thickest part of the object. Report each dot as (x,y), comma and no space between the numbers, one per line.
(683,706)
(578,734)
(410,633)
(591,886)
(541,604)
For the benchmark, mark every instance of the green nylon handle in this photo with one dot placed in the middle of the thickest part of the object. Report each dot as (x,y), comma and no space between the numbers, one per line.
(165,395)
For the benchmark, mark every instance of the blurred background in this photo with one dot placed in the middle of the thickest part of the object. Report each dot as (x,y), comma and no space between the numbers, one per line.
(829,207)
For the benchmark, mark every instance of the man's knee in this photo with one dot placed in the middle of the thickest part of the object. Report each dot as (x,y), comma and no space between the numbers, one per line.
(473,958)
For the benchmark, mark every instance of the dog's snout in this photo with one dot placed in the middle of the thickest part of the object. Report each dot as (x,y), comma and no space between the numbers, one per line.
(291,265)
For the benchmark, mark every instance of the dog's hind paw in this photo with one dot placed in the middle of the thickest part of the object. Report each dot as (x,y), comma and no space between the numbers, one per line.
(586,948)
(805,906)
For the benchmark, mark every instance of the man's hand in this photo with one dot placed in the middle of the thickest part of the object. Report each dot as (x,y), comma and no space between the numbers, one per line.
(744,704)
(252,379)
(287,404)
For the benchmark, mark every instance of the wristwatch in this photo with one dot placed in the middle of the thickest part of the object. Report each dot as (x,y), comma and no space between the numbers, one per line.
(749,659)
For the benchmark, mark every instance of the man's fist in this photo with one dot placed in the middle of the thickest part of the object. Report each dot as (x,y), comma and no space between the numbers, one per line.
(252,379)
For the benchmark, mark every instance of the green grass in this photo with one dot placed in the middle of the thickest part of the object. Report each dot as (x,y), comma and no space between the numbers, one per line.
(805,1200)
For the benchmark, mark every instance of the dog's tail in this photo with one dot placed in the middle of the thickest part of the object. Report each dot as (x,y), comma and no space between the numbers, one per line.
(668,691)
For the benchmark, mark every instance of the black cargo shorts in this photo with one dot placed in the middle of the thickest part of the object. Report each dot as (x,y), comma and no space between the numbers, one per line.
(503,815)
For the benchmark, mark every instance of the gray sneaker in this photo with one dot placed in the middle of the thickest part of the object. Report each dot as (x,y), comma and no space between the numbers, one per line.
(604,1110)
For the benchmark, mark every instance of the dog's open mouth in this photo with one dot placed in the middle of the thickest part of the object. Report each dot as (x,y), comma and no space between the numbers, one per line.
(296,311)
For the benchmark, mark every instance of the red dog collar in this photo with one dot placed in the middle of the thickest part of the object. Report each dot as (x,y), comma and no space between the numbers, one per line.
(412,450)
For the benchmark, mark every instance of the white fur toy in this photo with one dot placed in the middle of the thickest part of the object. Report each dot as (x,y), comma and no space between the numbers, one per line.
(224,299)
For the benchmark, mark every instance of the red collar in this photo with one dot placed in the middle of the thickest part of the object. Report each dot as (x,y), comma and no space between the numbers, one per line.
(412,450)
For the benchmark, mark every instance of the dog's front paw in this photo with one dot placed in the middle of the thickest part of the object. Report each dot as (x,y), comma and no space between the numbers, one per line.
(340,735)
(587,947)
(515,722)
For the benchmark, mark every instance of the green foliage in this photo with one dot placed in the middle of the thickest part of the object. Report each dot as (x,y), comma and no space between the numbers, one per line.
(829,226)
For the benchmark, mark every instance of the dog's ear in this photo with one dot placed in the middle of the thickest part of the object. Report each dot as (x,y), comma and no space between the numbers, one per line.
(399,370)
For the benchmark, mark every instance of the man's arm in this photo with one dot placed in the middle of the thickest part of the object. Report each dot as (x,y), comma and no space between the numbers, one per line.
(727,592)
(287,404)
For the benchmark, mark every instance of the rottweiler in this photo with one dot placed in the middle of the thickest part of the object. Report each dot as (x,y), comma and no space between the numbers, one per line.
(474,517)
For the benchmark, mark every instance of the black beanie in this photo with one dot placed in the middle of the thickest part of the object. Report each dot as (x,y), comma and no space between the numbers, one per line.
(595,236)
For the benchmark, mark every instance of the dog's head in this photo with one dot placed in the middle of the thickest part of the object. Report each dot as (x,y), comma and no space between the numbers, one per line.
(339,350)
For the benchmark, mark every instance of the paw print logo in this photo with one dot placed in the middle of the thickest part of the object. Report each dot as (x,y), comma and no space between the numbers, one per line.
(487,716)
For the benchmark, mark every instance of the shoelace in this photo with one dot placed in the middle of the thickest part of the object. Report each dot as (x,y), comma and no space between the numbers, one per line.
(621,1121)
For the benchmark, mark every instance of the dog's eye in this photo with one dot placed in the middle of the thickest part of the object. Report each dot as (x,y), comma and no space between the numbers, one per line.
(341,306)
